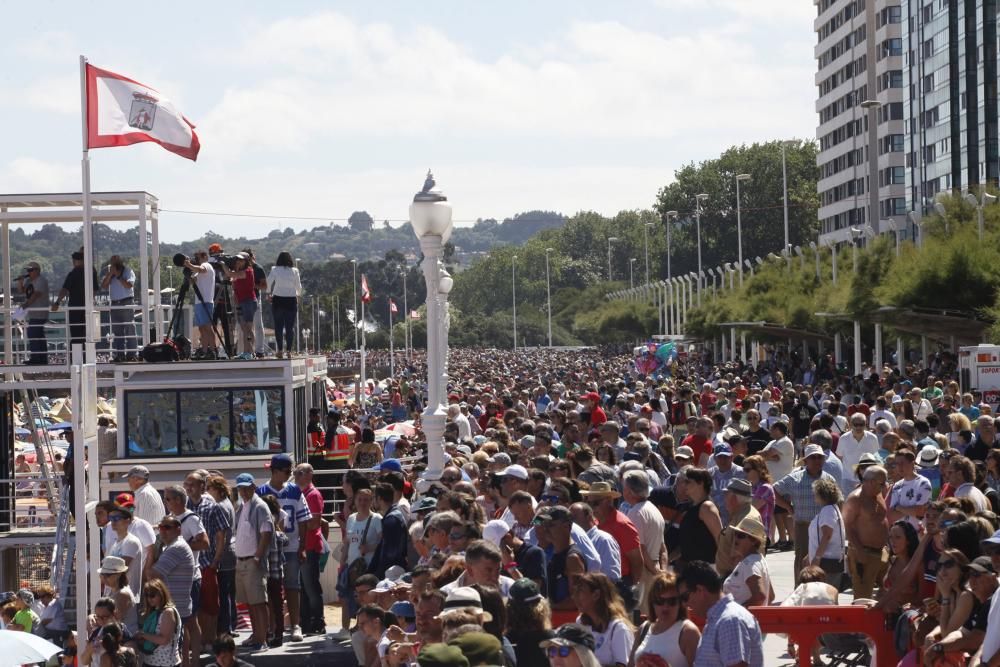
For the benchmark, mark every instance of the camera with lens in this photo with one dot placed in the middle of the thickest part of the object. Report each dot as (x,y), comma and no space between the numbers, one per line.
(180,259)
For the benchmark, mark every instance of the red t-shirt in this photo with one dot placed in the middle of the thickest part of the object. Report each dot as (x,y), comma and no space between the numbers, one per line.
(243,287)
(625,534)
(698,445)
(597,416)
(314,501)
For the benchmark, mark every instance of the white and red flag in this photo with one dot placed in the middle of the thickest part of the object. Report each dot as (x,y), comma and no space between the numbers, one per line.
(121,112)
(392,307)
(414,315)
(366,295)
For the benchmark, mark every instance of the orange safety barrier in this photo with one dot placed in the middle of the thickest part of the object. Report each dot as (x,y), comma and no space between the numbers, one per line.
(804,625)
(564,617)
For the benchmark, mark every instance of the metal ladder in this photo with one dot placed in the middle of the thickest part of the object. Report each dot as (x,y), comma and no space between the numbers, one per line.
(43,447)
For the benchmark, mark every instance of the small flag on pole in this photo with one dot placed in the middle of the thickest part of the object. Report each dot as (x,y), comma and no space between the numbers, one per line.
(392,307)
(414,315)
(121,112)
(366,295)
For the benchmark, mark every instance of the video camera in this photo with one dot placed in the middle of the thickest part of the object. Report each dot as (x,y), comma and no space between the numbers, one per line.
(180,259)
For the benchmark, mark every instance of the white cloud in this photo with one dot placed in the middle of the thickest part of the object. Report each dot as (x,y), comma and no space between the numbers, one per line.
(58,94)
(326,76)
(27,174)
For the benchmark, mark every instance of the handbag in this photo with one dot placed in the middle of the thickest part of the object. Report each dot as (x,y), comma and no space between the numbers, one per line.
(359,566)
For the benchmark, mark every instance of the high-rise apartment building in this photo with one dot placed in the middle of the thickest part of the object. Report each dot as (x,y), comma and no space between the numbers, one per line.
(860,81)
(951,97)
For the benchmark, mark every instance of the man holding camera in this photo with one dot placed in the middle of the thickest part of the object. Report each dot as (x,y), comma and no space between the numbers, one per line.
(260,286)
(35,288)
(203,277)
(118,280)
(244,291)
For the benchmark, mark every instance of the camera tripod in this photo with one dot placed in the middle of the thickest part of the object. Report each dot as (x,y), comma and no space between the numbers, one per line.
(182,294)
(224,313)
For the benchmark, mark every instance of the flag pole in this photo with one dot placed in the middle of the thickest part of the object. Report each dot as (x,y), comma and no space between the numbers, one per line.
(79,478)
(392,368)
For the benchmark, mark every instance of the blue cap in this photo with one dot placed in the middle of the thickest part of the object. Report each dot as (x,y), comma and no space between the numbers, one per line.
(722,450)
(281,462)
(389,464)
(632,456)
(403,609)
(244,479)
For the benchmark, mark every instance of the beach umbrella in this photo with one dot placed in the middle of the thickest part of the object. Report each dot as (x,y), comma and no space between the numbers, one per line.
(19,648)
(61,426)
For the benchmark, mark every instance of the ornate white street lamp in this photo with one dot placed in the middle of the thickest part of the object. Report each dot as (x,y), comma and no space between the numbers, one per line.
(430,216)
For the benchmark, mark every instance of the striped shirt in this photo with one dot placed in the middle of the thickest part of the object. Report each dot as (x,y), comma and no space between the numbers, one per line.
(176,566)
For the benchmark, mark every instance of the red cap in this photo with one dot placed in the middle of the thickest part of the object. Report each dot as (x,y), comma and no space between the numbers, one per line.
(591,396)
(125,500)
(214,248)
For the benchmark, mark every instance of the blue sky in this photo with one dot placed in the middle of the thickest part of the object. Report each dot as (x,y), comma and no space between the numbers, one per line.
(320,109)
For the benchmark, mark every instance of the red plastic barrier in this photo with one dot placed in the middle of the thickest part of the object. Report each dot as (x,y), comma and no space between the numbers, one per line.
(564,617)
(804,625)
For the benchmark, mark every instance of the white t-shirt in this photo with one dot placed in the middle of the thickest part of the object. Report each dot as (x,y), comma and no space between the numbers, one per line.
(850,449)
(830,516)
(614,645)
(130,547)
(355,529)
(206,283)
(786,450)
(910,493)
(753,565)
(991,644)
(649,522)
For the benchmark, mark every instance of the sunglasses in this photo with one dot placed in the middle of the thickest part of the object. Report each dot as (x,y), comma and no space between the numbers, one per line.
(116,517)
(152,594)
(456,536)
(168,527)
(551,498)
(561,651)
(667,602)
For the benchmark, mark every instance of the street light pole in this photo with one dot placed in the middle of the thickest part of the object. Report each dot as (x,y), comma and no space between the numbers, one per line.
(969,197)
(698,199)
(631,277)
(513,294)
(784,188)
(430,216)
(548,293)
(739,225)
(645,243)
(670,214)
(611,239)
(406,317)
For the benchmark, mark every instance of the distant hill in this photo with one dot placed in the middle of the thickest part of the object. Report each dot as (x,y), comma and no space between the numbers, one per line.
(363,239)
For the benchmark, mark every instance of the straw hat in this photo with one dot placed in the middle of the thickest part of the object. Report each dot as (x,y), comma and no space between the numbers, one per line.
(753,528)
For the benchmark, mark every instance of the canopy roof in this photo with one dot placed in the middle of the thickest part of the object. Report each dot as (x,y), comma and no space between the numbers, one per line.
(777,330)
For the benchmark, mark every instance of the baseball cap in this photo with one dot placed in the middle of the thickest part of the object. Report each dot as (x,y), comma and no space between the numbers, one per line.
(125,500)
(138,471)
(571,634)
(982,565)
(721,450)
(591,396)
(389,464)
(244,479)
(501,458)
(404,609)
(525,591)
(281,462)
(813,450)
(441,655)
(479,647)
(553,513)
(495,530)
(684,452)
(215,247)
(515,470)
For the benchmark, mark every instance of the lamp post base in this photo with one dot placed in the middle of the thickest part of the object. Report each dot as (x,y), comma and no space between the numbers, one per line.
(434,419)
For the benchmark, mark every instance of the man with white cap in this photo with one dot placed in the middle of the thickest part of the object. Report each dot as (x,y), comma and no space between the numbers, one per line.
(794,493)
(148,503)
(513,478)
(519,558)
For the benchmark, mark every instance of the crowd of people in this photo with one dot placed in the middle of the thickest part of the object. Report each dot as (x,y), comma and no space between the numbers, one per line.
(584,515)
(589,515)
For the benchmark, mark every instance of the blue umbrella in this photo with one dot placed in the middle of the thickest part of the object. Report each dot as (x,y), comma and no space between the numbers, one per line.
(61,426)
(21,431)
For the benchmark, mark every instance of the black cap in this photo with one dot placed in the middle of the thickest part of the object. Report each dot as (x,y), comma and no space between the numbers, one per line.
(572,633)
(982,565)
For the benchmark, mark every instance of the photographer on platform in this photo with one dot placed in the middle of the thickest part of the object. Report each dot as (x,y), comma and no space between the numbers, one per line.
(260,286)
(245,293)
(203,277)
(74,289)
(118,280)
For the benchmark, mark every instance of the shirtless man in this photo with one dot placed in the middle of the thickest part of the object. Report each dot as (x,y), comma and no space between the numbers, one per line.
(867,532)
